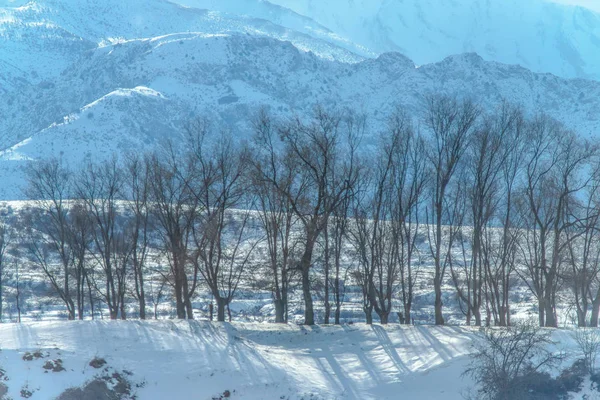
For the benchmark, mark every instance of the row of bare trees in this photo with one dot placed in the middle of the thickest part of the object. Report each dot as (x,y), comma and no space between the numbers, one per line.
(489,200)
(99,234)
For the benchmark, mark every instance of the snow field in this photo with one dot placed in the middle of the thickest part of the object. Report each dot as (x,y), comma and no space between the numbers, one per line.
(199,359)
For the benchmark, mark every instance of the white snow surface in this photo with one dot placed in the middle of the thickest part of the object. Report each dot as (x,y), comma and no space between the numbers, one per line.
(199,359)
(174,359)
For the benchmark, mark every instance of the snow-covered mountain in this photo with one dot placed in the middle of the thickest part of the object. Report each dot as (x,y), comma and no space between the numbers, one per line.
(540,35)
(83,79)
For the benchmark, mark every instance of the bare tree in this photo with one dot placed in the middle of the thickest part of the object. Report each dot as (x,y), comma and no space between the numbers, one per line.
(81,243)
(275,211)
(451,124)
(583,252)
(485,157)
(503,258)
(137,187)
(175,208)
(410,175)
(338,232)
(386,219)
(99,187)
(7,237)
(334,236)
(373,239)
(554,162)
(222,238)
(321,156)
(48,237)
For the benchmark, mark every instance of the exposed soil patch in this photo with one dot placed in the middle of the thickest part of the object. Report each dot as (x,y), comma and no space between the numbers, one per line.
(120,384)
(53,365)
(94,390)
(111,386)
(36,355)
(26,393)
(226,395)
(97,362)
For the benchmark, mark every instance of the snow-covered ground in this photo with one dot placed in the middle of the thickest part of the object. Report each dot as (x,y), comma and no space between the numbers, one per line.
(202,360)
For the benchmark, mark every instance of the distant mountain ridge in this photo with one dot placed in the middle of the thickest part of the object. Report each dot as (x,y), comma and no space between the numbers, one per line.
(540,35)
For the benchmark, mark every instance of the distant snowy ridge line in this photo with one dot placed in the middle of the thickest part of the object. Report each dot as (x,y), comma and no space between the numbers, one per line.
(541,35)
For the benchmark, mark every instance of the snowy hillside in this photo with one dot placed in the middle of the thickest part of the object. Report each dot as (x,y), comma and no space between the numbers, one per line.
(43,37)
(540,35)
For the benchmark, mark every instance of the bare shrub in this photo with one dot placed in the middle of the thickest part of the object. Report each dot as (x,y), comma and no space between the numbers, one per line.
(588,340)
(510,363)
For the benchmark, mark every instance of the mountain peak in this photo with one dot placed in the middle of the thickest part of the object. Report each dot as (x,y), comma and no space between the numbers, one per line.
(396,59)
(472,59)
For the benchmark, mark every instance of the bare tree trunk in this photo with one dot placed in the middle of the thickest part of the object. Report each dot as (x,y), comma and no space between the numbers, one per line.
(383,317)
(595,312)
(309,314)
(326,285)
(369,315)
(279,311)
(220,309)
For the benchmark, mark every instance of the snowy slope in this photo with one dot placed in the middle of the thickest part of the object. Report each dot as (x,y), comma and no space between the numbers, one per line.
(182,360)
(42,37)
(281,16)
(37,47)
(94,133)
(540,35)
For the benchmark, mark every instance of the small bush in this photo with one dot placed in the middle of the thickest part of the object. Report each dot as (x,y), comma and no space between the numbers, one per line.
(571,379)
(509,364)
(537,385)
(595,377)
(588,340)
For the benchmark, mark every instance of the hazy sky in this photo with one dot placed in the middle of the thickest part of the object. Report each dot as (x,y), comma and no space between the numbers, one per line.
(593,4)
